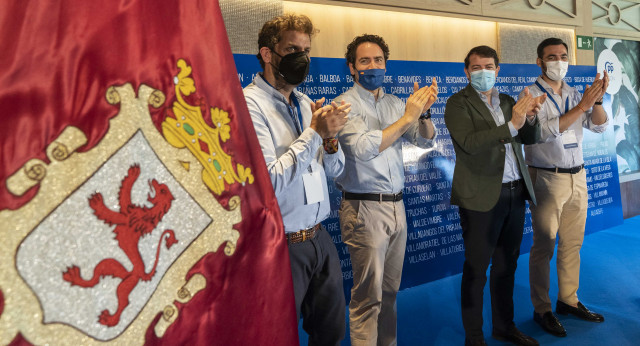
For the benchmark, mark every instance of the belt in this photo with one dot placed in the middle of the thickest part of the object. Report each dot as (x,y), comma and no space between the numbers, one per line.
(512,184)
(303,235)
(572,170)
(380,197)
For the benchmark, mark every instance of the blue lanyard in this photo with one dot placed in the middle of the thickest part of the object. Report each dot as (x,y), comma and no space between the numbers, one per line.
(298,123)
(566,104)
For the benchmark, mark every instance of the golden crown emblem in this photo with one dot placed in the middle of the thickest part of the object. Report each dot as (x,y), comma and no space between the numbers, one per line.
(189,130)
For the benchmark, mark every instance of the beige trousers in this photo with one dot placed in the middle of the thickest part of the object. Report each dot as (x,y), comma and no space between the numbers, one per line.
(376,236)
(561,211)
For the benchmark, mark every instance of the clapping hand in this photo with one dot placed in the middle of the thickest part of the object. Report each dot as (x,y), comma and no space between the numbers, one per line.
(519,110)
(418,102)
(433,89)
(536,105)
(330,119)
(595,92)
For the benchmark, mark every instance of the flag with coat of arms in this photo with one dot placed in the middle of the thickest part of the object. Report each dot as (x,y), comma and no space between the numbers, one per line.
(135,205)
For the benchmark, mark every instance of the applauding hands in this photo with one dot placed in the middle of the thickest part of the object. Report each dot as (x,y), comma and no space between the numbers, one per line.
(421,99)
(328,120)
(525,104)
(595,92)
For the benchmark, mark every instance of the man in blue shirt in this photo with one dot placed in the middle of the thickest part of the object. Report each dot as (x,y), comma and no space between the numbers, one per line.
(297,138)
(372,215)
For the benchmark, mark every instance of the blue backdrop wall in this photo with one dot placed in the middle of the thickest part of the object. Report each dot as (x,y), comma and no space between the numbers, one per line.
(434,242)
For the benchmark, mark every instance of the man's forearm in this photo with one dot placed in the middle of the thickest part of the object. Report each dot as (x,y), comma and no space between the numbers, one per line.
(426,129)
(393,132)
(598,115)
(567,119)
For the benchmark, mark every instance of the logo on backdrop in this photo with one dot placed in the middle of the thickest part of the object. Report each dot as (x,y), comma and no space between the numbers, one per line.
(608,61)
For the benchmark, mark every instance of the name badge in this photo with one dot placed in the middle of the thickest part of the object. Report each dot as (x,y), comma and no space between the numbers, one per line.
(313,187)
(569,139)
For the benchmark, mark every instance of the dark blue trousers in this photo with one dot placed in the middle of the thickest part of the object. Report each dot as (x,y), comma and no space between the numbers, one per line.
(317,285)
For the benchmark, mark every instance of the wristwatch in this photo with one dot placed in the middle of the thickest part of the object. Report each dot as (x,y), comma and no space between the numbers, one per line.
(426,115)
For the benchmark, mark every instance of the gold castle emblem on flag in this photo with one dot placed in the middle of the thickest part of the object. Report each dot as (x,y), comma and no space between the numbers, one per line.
(190,130)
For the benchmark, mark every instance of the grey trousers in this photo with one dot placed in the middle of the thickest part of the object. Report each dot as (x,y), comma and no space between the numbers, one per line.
(376,236)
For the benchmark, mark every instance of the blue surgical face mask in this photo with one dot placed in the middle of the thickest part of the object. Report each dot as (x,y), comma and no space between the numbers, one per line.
(483,80)
(371,79)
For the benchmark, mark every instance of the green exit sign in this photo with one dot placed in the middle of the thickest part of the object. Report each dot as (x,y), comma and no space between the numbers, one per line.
(585,42)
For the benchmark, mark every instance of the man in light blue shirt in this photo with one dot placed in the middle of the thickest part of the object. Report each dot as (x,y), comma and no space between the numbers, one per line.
(372,215)
(297,138)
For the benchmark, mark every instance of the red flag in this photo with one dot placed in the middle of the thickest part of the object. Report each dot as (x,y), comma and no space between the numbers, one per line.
(135,205)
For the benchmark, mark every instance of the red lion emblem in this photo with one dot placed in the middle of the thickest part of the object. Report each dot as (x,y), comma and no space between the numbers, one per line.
(132,222)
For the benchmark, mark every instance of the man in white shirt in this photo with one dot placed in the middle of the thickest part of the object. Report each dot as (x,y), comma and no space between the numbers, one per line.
(557,171)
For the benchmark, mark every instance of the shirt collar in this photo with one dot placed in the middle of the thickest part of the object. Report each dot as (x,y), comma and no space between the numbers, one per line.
(494,94)
(548,87)
(262,83)
(366,94)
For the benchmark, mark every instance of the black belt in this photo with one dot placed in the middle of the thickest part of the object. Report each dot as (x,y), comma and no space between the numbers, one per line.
(512,184)
(380,197)
(572,170)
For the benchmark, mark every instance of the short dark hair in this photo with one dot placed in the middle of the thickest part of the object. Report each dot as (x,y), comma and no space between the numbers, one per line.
(483,51)
(551,41)
(350,55)
(271,32)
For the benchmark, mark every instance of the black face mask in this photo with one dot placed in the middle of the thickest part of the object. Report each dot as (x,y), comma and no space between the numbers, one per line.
(293,67)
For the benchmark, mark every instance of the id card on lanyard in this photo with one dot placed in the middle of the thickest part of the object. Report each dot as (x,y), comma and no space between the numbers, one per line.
(569,139)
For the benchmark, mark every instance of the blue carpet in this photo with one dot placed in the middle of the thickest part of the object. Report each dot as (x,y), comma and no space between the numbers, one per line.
(429,314)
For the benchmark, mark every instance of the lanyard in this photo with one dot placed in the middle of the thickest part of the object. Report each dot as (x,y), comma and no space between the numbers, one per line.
(297,122)
(566,104)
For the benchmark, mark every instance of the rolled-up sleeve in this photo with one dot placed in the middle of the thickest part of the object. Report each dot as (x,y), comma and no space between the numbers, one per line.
(588,124)
(412,135)
(333,164)
(356,138)
(586,121)
(365,145)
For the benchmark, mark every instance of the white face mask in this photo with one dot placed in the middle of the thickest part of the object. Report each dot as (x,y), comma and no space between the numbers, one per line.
(556,70)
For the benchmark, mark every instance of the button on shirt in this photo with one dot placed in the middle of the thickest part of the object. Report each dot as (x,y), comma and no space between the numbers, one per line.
(367,170)
(288,155)
(511,171)
(550,152)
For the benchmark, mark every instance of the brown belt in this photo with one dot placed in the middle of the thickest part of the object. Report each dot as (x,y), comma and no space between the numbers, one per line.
(303,235)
